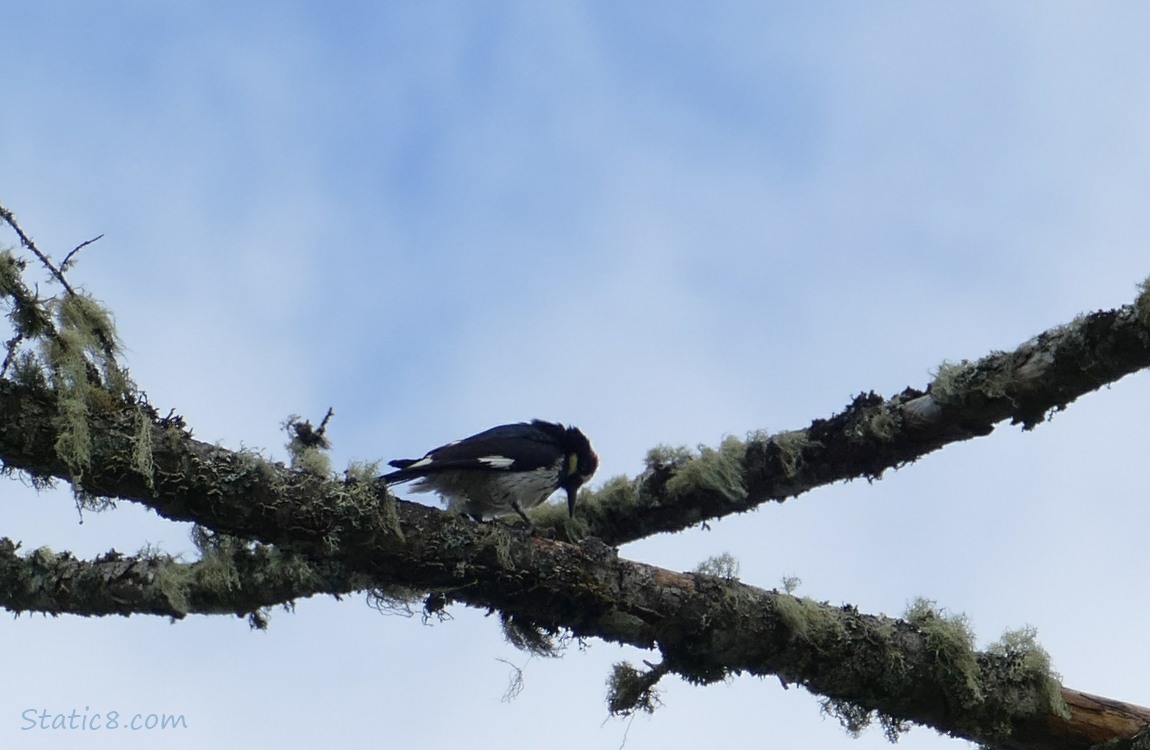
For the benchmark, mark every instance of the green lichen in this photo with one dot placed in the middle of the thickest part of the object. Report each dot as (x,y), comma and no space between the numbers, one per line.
(79,365)
(663,456)
(712,472)
(394,600)
(11,268)
(365,472)
(529,636)
(947,385)
(618,495)
(723,566)
(67,345)
(761,437)
(883,424)
(74,439)
(28,371)
(994,377)
(390,514)
(312,461)
(629,690)
(142,447)
(81,313)
(950,641)
(808,621)
(173,581)
(986,692)
(503,545)
(855,719)
(791,445)
(1142,304)
(361,488)
(1024,669)
(618,491)
(27,312)
(308,446)
(216,567)
(231,573)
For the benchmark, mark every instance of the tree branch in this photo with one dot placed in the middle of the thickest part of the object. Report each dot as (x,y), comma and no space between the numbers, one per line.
(871,435)
(10,219)
(240,582)
(706,627)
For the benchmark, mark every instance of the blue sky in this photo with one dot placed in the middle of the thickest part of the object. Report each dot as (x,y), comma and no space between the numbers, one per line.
(663,223)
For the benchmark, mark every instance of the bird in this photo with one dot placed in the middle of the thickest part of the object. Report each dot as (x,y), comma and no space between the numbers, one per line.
(506,469)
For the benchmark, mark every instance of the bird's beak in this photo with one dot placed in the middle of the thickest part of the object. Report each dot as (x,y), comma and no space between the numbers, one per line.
(571,491)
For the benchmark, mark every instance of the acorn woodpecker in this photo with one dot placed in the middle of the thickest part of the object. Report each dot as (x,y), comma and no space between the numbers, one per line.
(507,469)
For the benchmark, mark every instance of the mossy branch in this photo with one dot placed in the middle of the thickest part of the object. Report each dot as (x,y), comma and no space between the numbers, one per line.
(243,580)
(65,345)
(683,488)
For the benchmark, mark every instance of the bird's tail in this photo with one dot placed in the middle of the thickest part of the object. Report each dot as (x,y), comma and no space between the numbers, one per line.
(396,477)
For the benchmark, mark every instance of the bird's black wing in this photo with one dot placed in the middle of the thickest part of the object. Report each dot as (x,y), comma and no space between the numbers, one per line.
(509,447)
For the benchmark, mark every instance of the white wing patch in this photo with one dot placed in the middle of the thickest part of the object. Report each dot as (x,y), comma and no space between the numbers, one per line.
(496,462)
(421,462)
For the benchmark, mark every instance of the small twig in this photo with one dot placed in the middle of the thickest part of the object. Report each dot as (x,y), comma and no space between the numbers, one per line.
(326,418)
(25,240)
(78,248)
(514,681)
(627,731)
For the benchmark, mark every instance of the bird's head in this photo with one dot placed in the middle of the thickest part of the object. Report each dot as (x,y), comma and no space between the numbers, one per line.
(579,464)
